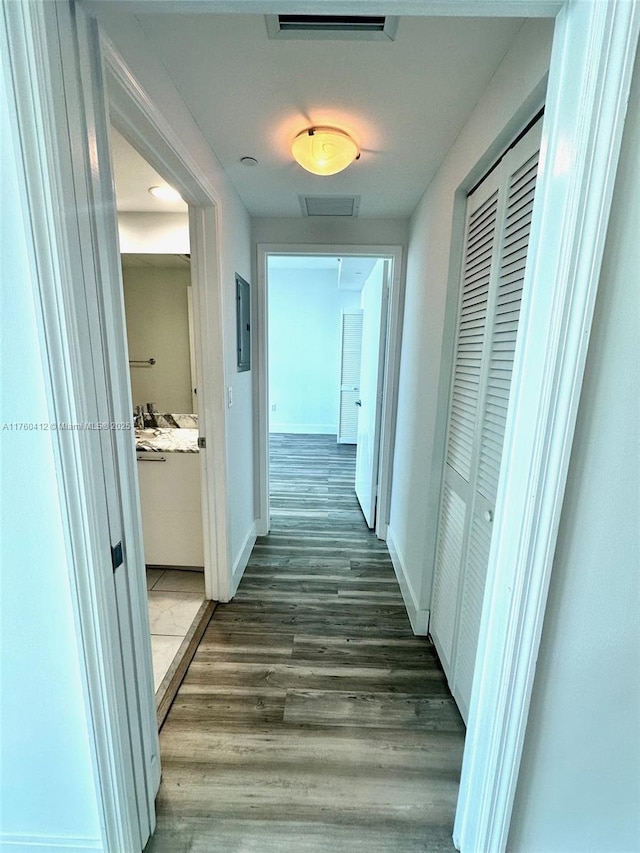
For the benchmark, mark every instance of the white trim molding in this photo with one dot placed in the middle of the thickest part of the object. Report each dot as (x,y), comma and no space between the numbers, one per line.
(419,617)
(53,182)
(432,8)
(589,79)
(49,844)
(243,558)
(143,125)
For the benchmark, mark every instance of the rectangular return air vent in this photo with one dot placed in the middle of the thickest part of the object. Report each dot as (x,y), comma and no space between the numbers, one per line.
(329,205)
(372,27)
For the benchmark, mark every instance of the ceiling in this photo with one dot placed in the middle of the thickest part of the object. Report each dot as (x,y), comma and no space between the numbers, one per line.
(135,260)
(404,101)
(133,176)
(303,262)
(350,271)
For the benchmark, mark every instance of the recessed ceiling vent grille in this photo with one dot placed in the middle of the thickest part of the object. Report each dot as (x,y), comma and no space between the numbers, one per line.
(330,205)
(380,27)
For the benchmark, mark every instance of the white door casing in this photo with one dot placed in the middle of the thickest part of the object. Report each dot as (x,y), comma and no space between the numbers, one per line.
(136,117)
(62,122)
(52,52)
(592,61)
(98,240)
(374,329)
(193,373)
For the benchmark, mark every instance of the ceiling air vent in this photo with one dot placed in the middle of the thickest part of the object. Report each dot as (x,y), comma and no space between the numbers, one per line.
(330,205)
(381,27)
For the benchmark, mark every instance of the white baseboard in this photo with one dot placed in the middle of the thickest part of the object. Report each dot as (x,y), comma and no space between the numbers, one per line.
(48,844)
(304,429)
(419,618)
(241,563)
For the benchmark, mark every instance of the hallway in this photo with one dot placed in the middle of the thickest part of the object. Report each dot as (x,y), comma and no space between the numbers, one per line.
(311,718)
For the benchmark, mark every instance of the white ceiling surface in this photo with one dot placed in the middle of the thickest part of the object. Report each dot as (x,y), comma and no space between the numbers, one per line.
(133,176)
(354,272)
(351,272)
(403,101)
(137,260)
(303,262)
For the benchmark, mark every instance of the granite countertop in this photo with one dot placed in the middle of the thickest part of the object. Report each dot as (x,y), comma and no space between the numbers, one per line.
(167,440)
(167,419)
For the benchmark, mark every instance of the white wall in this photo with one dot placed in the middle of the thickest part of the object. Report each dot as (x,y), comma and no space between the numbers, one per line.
(331,230)
(430,305)
(579,786)
(235,256)
(155,301)
(304,349)
(48,791)
(152,233)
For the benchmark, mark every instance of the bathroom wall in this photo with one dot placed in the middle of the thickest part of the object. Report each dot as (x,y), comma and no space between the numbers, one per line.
(155,300)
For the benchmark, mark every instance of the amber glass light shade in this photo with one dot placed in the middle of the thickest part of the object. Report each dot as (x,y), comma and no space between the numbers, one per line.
(324,150)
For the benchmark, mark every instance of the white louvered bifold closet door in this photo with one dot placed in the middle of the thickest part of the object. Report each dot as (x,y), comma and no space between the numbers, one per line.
(496,242)
(351,346)
(479,256)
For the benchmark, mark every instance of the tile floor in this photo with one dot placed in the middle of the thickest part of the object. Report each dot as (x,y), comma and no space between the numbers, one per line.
(174,599)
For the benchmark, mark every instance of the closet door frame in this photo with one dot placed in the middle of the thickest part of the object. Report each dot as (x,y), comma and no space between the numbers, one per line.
(598,43)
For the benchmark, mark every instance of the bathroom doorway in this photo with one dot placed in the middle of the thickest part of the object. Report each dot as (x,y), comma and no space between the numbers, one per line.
(159,319)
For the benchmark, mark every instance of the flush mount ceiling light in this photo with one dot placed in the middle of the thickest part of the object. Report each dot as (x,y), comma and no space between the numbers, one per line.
(324,150)
(165,193)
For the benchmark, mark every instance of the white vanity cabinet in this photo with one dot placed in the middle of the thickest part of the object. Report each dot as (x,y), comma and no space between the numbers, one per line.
(171,508)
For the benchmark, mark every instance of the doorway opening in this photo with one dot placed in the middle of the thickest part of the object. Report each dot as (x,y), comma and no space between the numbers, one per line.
(160,331)
(323,311)
(328,333)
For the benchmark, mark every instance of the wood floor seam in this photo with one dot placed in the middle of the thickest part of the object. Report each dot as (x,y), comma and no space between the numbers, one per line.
(311,719)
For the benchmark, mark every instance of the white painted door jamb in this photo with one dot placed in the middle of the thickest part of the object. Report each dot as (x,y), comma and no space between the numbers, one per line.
(33,34)
(592,61)
(395,308)
(138,119)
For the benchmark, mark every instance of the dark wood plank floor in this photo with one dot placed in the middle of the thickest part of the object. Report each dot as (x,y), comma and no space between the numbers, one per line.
(311,719)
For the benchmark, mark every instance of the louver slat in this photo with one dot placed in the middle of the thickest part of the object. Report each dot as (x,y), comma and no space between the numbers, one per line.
(351,346)
(445,590)
(472,322)
(471,609)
